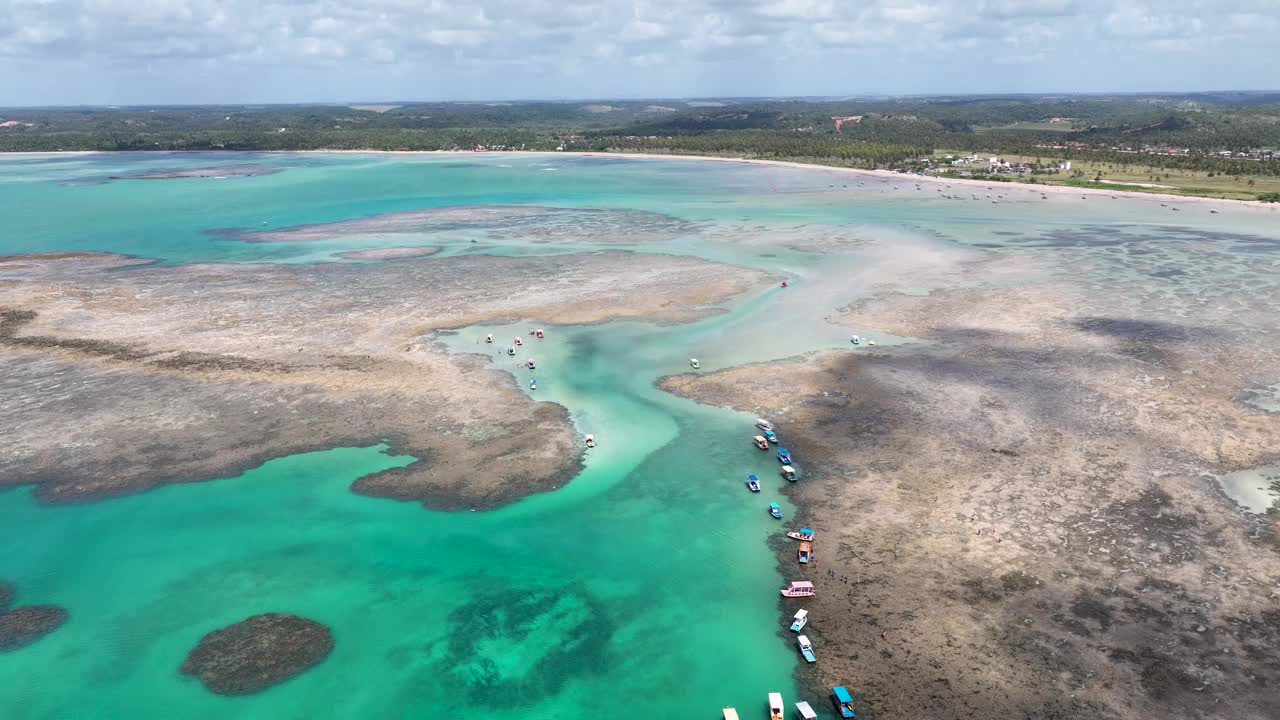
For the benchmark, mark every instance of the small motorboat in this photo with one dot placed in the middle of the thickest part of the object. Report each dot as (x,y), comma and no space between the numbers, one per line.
(539,333)
(511,350)
(871,342)
(529,363)
(855,340)
(519,342)
(693,363)
(753,483)
(805,553)
(801,534)
(784,456)
(771,436)
(533,383)
(776,708)
(591,441)
(788,472)
(760,442)
(843,700)
(784,283)
(799,620)
(488,338)
(806,649)
(775,510)
(763,424)
(805,711)
(729,714)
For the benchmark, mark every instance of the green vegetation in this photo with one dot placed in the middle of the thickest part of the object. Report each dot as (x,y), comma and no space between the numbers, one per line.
(1224,144)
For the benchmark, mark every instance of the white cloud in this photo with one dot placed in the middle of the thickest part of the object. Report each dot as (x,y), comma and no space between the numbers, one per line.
(499,48)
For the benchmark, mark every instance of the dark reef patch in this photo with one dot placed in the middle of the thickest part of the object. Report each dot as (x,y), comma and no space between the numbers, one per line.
(563,634)
(258,652)
(228,171)
(24,625)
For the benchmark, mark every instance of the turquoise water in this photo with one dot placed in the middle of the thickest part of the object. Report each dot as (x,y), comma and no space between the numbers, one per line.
(644,587)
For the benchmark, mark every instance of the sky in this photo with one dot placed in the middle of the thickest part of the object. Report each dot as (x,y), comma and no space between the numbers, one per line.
(70,52)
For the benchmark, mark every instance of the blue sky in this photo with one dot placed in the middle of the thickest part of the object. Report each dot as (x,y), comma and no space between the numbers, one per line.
(201,51)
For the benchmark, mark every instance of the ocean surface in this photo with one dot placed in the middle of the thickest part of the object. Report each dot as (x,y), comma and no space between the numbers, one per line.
(647,586)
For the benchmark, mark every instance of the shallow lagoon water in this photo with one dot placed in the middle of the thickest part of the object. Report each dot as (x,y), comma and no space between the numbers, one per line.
(645,586)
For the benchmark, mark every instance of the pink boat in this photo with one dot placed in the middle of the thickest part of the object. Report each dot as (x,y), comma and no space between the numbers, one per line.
(529,362)
(799,588)
(519,342)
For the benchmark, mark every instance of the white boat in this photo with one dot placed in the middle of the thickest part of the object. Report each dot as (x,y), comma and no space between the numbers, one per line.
(800,620)
(806,649)
(729,714)
(776,707)
(693,363)
(591,441)
(763,424)
(805,711)
(855,340)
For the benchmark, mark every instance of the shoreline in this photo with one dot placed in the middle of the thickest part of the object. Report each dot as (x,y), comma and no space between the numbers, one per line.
(880,174)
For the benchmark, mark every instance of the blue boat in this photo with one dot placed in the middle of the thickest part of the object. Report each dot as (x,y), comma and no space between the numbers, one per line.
(843,700)
(784,456)
(775,510)
(771,436)
(753,483)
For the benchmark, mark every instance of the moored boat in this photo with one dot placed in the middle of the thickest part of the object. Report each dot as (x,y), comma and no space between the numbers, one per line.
(805,711)
(511,349)
(488,338)
(519,342)
(801,534)
(798,588)
(805,553)
(760,442)
(533,383)
(591,441)
(788,472)
(753,483)
(775,510)
(763,424)
(855,340)
(784,456)
(693,363)
(529,362)
(771,436)
(843,701)
(539,333)
(806,649)
(729,714)
(776,707)
(800,619)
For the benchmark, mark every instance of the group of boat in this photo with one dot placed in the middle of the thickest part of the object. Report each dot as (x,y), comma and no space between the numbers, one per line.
(777,708)
(794,589)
